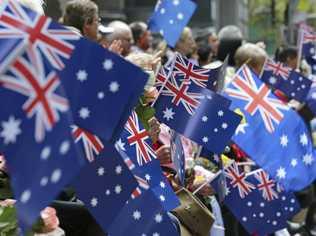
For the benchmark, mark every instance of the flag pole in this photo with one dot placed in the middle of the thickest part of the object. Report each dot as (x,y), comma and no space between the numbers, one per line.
(168,76)
(207,182)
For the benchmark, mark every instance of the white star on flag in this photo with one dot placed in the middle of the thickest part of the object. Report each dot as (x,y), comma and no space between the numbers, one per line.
(162,185)
(100,95)
(101,171)
(118,170)
(147,177)
(224,125)
(82,75)
(176,2)
(204,118)
(158,218)
(26,196)
(45,153)
(114,87)
(281,173)
(180,16)
(11,129)
(272,80)
(168,114)
(294,162)
(120,145)
(108,64)
(118,189)
(303,139)
(205,139)
(284,140)
(308,159)
(220,113)
(162,198)
(137,215)
(94,202)
(84,113)
(64,147)
(56,176)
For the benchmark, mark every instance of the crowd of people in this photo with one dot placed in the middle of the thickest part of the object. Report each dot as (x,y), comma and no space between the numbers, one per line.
(149,51)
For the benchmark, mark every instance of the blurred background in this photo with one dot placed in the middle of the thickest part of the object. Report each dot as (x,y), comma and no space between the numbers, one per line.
(271,21)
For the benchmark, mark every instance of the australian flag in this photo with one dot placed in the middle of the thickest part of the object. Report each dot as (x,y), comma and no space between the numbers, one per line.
(308,47)
(273,135)
(290,82)
(188,71)
(177,154)
(100,72)
(21,28)
(170,17)
(311,98)
(142,216)
(35,137)
(256,200)
(135,141)
(158,183)
(103,74)
(201,115)
(105,185)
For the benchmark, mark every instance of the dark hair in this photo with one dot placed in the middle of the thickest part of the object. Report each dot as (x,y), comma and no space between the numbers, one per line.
(228,47)
(204,52)
(138,30)
(284,52)
(79,12)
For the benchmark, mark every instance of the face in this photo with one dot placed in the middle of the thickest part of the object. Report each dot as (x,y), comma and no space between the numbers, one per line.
(187,45)
(145,40)
(213,42)
(90,29)
(127,41)
(292,62)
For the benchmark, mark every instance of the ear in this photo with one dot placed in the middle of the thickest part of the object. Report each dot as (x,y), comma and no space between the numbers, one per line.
(85,28)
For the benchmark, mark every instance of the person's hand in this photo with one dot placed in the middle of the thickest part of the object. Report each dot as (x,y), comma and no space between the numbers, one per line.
(3,166)
(7,202)
(189,178)
(156,60)
(50,219)
(154,129)
(164,155)
(150,96)
(116,47)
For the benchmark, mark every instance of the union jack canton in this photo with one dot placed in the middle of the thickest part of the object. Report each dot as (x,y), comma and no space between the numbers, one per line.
(136,142)
(39,86)
(258,203)
(41,33)
(258,98)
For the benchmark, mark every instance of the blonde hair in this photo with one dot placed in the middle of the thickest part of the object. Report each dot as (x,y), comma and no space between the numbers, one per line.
(143,60)
(251,54)
(35,5)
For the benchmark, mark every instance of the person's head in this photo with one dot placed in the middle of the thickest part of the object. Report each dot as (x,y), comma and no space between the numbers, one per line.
(251,54)
(186,44)
(287,55)
(147,63)
(230,39)
(84,16)
(122,32)
(205,54)
(141,35)
(35,5)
